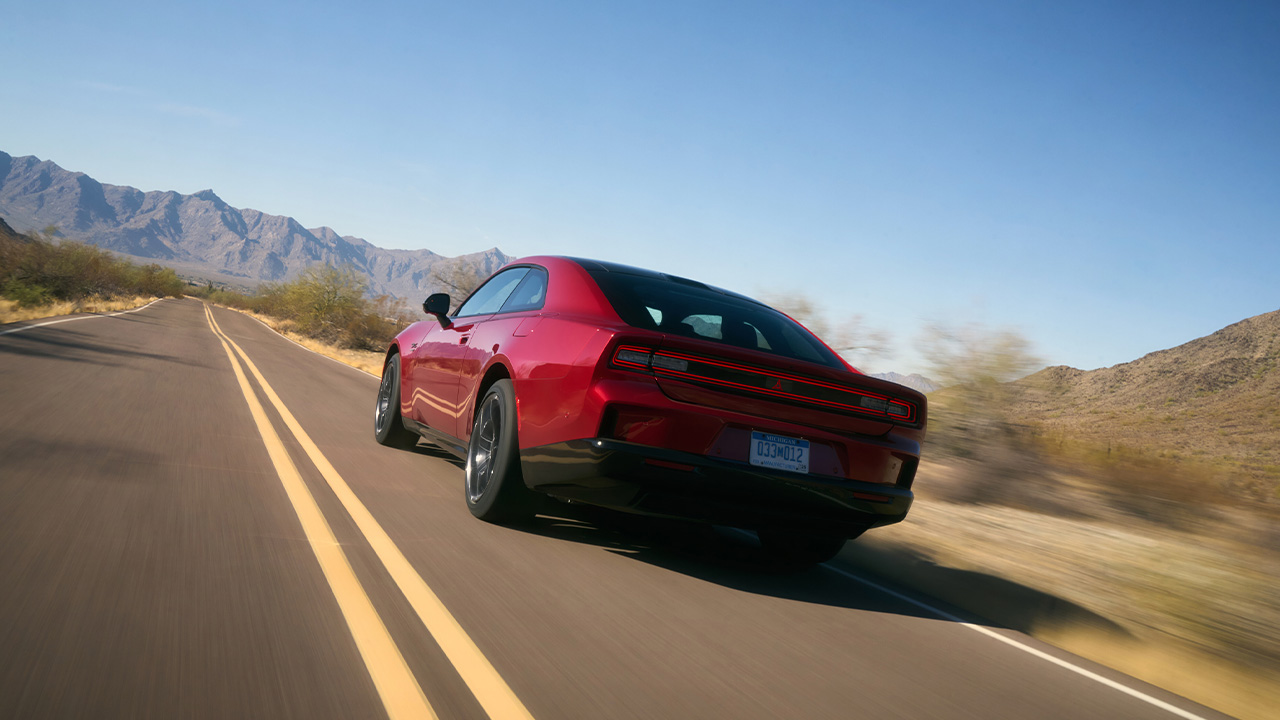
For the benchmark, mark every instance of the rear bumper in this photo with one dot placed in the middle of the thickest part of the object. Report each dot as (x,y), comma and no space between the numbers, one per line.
(670,483)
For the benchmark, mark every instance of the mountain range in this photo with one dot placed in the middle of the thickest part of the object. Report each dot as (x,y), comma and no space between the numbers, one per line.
(915,381)
(201,234)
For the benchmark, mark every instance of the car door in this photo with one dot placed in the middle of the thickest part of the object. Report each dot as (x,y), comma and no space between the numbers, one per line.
(437,365)
(496,334)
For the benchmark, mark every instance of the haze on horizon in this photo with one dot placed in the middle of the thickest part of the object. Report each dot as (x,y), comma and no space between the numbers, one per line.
(1102,178)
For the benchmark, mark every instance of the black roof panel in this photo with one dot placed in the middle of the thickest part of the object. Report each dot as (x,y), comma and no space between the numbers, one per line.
(603,266)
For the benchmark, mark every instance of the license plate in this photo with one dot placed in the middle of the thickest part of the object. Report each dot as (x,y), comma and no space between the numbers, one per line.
(779,452)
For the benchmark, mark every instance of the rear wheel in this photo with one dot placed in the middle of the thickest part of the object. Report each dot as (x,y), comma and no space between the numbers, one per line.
(495,489)
(387,427)
(794,550)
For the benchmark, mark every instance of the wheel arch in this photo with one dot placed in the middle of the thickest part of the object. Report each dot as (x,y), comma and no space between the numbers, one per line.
(497,371)
(392,349)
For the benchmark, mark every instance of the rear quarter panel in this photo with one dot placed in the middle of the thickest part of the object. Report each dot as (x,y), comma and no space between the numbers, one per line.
(551,362)
(550,354)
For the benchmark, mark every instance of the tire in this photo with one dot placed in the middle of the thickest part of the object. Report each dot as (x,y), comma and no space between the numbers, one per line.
(494,490)
(387,427)
(790,550)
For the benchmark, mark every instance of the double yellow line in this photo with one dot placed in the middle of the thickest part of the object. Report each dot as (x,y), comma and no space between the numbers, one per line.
(399,690)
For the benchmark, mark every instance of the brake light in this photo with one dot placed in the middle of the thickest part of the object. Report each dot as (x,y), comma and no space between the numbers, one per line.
(666,362)
(639,358)
(742,378)
(631,357)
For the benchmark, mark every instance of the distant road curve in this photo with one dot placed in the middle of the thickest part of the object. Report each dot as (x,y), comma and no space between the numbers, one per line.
(28,325)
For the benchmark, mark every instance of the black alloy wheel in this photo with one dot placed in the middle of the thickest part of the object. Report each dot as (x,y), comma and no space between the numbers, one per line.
(387,427)
(495,489)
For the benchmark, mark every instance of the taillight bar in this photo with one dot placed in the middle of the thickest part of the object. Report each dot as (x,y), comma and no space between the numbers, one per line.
(761,381)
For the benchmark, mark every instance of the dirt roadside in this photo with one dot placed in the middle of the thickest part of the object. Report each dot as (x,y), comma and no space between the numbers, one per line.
(11,313)
(1194,615)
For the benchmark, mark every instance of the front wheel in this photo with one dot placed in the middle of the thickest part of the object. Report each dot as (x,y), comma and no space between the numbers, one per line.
(495,489)
(387,427)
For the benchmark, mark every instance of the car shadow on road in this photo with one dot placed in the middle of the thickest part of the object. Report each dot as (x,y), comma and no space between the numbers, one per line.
(430,450)
(72,346)
(732,558)
(143,320)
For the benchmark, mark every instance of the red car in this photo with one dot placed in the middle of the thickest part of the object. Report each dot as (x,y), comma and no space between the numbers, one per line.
(652,394)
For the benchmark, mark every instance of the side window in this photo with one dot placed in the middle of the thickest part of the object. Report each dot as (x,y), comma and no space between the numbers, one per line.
(727,330)
(705,325)
(530,294)
(493,293)
(761,342)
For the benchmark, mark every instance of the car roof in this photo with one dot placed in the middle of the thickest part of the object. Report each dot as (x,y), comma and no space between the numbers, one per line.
(612,267)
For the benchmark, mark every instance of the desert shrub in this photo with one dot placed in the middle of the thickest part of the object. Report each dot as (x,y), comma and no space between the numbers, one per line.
(271,299)
(156,280)
(458,278)
(976,366)
(373,329)
(25,294)
(39,269)
(850,335)
(324,303)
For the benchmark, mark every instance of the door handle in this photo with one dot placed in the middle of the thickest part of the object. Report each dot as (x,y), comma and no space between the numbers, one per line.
(463,340)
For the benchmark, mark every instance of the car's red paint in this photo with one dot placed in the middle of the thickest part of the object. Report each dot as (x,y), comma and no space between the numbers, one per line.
(558,358)
(545,352)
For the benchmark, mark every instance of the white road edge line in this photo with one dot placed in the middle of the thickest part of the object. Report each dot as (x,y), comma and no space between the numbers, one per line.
(1021,646)
(940,613)
(1009,641)
(82,317)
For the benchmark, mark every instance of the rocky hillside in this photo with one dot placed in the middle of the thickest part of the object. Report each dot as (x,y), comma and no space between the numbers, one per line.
(202,232)
(1216,398)
(6,231)
(916,381)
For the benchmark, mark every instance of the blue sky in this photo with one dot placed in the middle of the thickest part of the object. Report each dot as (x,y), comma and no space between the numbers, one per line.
(1103,177)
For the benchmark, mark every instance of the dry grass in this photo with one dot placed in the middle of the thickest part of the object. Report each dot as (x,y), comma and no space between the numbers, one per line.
(1243,693)
(10,312)
(1202,611)
(1200,608)
(1209,406)
(368,361)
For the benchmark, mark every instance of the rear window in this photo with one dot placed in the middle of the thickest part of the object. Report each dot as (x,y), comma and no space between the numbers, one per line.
(690,310)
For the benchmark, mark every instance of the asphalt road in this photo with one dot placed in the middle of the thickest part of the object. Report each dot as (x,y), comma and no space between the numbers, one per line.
(158,560)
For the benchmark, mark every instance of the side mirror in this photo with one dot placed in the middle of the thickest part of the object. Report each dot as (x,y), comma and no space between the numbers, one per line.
(438,305)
